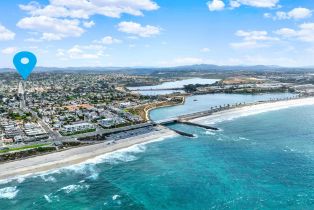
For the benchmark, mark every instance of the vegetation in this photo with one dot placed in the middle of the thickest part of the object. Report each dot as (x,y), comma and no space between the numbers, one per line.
(5,150)
(17,116)
(118,125)
(192,88)
(77,132)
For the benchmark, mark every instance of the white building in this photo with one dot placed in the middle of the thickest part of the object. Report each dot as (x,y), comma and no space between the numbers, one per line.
(107,123)
(32,129)
(78,127)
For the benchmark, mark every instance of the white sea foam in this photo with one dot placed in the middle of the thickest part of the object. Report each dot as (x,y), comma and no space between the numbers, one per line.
(243,139)
(19,180)
(5,181)
(116,157)
(288,149)
(8,192)
(88,167)
(122,155)
(93,176)
(48,178)
(48,199)
(115,197)
(210,133)
(74,188)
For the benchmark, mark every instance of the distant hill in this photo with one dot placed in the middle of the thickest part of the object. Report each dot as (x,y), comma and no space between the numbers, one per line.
(149,70)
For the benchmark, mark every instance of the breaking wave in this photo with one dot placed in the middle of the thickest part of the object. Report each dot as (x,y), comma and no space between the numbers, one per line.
(88,167)
(8,192)
(74,188)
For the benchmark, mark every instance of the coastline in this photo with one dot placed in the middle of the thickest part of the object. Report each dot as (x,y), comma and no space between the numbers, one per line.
(73,156)
(252,109)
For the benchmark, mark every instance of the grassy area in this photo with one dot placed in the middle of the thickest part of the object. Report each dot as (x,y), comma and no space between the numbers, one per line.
(23,148)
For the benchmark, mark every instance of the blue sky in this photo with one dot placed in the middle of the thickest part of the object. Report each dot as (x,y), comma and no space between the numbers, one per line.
(65,33)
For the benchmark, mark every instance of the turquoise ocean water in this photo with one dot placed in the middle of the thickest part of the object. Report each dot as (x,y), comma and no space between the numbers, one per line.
(263,161)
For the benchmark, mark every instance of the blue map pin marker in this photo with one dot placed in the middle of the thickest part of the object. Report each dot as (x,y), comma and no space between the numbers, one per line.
(25,63)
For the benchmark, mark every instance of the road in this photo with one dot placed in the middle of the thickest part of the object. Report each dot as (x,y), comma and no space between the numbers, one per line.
(24,108)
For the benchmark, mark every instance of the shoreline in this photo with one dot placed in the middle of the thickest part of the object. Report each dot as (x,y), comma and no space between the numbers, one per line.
(147,112)
(74,156)
(253,109)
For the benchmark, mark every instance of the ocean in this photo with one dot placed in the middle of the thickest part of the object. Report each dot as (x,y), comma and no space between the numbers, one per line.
(262,161)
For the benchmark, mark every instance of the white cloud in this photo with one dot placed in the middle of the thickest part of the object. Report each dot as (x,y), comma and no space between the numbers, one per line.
(82,52)
(52,28)
(248,45)
(88,24)
(304,33)
(234,4)
(254,35)
(300,13)
(205,50)
(286,32)
(9,50)
(138,29)
(108,40)
(296,14)
(33,40)
(255,3)
(267,15)
(253,39)
(216,5)
(65,18)
(35,9)
(6,34)
(86,8)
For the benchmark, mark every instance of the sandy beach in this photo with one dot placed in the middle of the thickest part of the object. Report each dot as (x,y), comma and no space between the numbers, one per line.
(253,109)
(74,156)
(82,154)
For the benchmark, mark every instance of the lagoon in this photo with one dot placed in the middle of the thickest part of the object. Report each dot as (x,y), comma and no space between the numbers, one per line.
(205,102)
(162,88)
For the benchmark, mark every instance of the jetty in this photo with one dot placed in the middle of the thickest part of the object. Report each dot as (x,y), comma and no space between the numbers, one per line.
(186,119)
(182,133)
(199,125)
